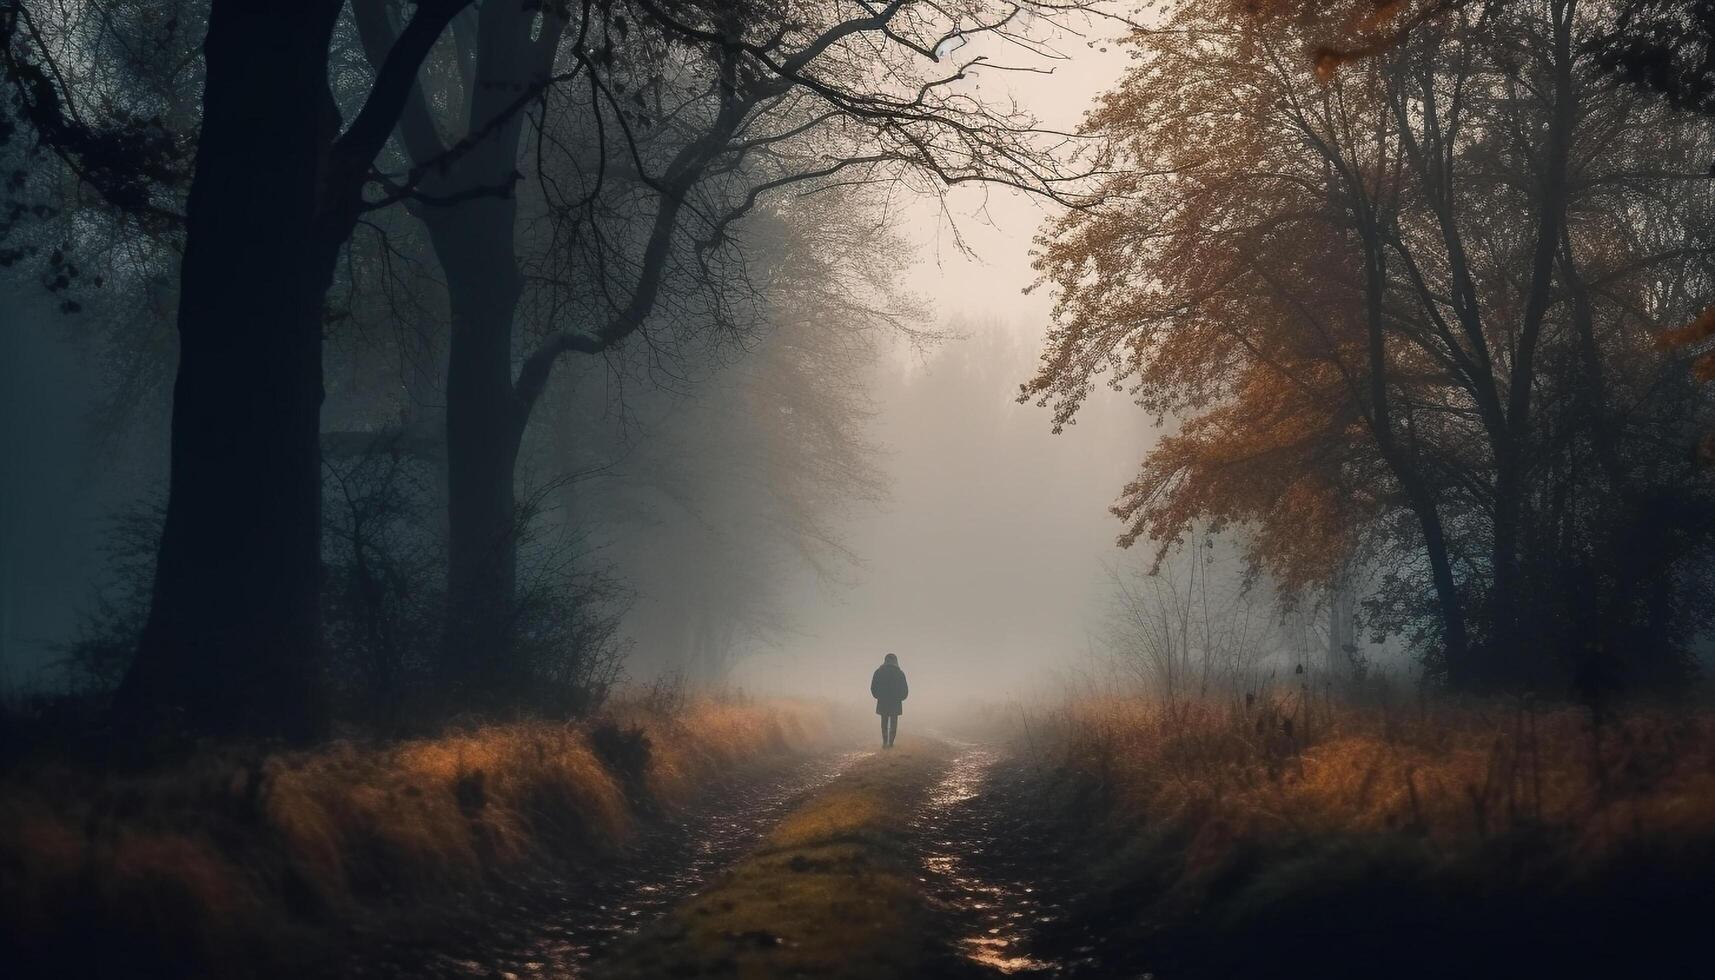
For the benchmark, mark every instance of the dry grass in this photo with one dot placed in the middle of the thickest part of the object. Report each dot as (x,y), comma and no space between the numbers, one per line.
(1523,837)
(1454,775)
(235,863)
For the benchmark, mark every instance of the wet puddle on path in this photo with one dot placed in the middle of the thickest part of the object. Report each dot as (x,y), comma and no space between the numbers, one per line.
(963,835)
(556,925)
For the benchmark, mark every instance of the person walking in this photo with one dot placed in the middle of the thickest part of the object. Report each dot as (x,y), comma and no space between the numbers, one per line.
(889,689)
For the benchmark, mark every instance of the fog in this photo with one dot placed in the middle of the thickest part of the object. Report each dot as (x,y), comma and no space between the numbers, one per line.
(984,565)
(46,538)
(986,568)
(813,455)
(62,482)
(474,472)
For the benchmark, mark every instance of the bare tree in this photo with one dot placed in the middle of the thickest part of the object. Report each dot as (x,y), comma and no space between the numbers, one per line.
(1189,628)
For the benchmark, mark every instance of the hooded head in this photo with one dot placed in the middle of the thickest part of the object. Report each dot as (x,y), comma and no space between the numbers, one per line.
(891,659)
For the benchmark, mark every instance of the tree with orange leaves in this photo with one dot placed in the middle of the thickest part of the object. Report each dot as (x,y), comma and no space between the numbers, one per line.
(1402,312)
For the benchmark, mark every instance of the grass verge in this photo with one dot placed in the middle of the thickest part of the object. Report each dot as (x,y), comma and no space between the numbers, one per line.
(246,863)
(834,892)
(1288,838)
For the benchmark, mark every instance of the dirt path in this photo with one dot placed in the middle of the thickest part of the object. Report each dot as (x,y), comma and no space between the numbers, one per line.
(937,859)
(555,924)
(835,891)
(929,860)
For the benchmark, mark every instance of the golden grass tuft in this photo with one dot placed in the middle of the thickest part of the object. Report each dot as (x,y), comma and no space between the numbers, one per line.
(1529,840)
(721,733)
(238,863)
(1452,775)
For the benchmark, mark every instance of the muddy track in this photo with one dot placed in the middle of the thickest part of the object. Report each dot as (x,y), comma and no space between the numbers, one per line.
(558,922)
(994,865)
(990,866)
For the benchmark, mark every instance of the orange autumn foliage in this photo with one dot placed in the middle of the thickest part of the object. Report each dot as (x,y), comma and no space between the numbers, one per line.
(1213,282)
(1334,284)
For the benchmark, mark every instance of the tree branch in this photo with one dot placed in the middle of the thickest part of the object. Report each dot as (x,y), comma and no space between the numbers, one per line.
(417,130)
(395,80)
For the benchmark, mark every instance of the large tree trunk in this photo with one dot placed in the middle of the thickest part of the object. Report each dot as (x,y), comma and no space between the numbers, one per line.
(470,213)
(484,429)
(1419,495)
(1513,664)
(475,241)
(233,632)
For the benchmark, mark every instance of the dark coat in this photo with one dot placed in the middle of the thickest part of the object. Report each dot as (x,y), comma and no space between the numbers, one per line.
(889,690)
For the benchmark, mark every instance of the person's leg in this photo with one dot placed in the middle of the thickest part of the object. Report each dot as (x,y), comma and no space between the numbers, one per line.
(884,721)
(891,723)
